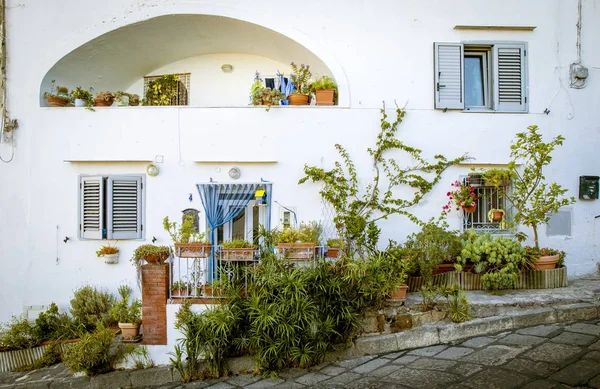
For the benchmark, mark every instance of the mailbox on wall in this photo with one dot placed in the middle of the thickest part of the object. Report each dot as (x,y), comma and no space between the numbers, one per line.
(588,187)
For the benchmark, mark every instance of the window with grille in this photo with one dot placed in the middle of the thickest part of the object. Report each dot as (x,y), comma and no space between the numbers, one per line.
(110,207)
(489,198)
(481,76)
(183,88)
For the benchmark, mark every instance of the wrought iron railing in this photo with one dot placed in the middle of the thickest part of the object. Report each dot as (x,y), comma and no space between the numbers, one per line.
(490,198)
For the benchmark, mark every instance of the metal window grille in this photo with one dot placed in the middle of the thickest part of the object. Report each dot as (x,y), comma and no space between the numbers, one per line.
(183,90)
(489,197)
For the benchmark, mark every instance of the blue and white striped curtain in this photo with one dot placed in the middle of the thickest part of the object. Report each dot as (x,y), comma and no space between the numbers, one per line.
(222,203)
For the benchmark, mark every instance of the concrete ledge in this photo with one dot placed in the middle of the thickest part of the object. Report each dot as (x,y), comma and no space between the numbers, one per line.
(532,317)
(583,311)
(476,327)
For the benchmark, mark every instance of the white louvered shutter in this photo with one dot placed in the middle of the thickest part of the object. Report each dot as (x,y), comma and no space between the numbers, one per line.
(510,67)
(124,203)
(449,75)
(91,207)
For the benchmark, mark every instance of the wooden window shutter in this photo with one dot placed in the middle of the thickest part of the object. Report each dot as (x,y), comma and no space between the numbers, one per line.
(91,207)
(449,75)
(124,203)
(510,67)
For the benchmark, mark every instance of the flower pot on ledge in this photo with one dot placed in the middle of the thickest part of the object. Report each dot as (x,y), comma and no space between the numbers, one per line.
(399,294)
(298,99)
(546,262)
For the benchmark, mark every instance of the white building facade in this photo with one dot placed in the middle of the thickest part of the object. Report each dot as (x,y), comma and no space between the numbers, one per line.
(404,51)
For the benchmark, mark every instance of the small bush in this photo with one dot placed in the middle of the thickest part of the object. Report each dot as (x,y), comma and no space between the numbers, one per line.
(91,307)
(55,326)
(91,355)
(51,356)
(19,334)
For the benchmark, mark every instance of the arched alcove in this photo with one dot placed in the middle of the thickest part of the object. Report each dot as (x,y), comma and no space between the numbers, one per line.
(184,43)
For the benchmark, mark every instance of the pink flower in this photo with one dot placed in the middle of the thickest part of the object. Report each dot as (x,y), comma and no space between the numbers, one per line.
(457,208)
(473,204)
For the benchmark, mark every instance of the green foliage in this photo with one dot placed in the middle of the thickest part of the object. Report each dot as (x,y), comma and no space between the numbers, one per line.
(122,311)
(91,354)
(140,357)
(186,233)
(84,95)
(107,249)
(325,82)
(162,253)
(459,307)
(91,307)
(531,196)
(237,244)
(57,91)
(310,232)
(335,243)
(301,78)
(497,177)
(55,326)
(499,259)
(51,356)
(163,91)
(266,96)
(430,247)
(19,334)
(357,211)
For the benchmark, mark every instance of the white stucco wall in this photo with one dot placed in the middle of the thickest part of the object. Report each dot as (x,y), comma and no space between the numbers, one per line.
(380,50)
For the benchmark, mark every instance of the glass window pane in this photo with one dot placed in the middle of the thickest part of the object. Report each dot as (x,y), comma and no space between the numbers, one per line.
(238,227)
(473,81)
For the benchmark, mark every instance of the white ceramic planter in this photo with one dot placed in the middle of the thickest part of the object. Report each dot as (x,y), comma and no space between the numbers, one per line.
(123,101)
(79,103)
(111,258)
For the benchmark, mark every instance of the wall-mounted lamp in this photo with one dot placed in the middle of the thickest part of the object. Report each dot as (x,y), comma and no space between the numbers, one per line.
(235,173)
(152,170)
(227,68)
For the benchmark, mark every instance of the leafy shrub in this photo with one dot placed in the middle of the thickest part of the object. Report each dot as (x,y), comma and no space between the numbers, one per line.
(122,311)
(91,354)
(307,233)
(237,244)
(55,326)
(499,259)
(459,307)
(52,355)
(91,307)
(19,334)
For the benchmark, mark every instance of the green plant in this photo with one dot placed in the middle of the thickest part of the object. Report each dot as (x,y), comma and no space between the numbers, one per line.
(160,253)
(107,250)
(490,216)
(18,334)
(358,211)
(140,357)
(301,78)
(186,233)
(325,82)
(237,244)
(428,297)
(54,326)
(134,99)
(499,259)
(84,95)
(91,354)
(459,307)
(462,197)
(52,355)
(266,95)
(180,285)
(534,253)
(496,177)
(91,307)
(307,233)
(105,95)
(163,90)
(123,312)
(430,247)
(335,243)
(57,91)
(531,196)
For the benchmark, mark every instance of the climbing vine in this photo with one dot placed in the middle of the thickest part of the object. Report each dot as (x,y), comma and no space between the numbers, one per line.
(358,211)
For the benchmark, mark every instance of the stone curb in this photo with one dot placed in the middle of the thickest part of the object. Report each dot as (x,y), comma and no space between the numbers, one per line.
(432,334)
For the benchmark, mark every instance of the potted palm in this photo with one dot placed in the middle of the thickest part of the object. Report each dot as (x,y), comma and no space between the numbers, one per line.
(325,90)
(109,253)
(301,79)
(58,95)
(237,250)
(127,315)
(188,242)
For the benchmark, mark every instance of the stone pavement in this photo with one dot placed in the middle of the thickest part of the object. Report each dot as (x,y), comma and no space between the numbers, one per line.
(540,357)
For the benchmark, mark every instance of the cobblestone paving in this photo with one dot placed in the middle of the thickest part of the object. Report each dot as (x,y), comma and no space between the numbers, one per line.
(542,357)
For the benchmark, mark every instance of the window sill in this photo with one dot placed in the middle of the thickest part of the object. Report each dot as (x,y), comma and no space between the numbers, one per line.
(487,110)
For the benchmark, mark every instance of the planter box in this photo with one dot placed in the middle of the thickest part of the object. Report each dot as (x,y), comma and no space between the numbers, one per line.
(297,250)
(246,254)
(193,250)
(529,279)
(11,360)
(416,283)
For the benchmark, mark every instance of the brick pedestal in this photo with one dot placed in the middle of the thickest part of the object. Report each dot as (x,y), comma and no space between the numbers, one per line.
(155,291)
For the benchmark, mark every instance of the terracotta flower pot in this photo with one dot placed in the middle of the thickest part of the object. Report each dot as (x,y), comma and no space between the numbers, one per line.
(129,330)
(193,250)
(298,99)
(497,216)
(100,102)
(333,252)
(325,96)
(399,294)
(55,101)
(155,259)
(237,254)
(470,209)
(443,268)
(546,262)
(297,250)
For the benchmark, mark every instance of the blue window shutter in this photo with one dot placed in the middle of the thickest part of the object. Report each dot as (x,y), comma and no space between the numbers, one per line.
(510,69)
(448,75)
(124,207)
(91,207)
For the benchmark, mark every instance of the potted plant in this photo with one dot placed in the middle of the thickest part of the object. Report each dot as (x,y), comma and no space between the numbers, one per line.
(150,254)
(495,215)
(397,269)
(300,243)
(122,98)
(104,99)
(188,242)
(544,258)
(300,77)
(334,245)
(58,96)
(462,197)
(325,90)
(237,250)
(497,177)
(134,100)
(163,90)
(82,98)
(127,315)
(109,253)
(533,199)
(180,289)
(266,96)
